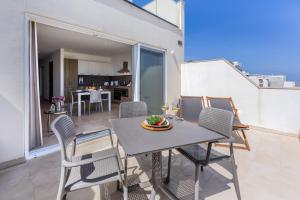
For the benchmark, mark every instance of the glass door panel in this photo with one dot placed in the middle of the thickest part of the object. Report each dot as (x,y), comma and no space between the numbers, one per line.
(152,79)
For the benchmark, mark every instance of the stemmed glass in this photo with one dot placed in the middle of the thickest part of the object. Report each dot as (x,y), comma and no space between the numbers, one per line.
(175,110)
(165,108)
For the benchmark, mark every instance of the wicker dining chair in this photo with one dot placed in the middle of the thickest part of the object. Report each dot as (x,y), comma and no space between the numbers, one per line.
(220,121)
(226,103)
(190,108)
(133,109)
(95,98)
(78,172)
(73,101)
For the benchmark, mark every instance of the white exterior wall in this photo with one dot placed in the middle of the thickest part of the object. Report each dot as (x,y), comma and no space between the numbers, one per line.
(280,109)
(215,78)
(113,17)
(12,80)
(276,109)
(166,9)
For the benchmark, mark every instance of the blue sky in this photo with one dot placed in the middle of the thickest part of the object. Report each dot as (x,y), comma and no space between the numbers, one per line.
(263,35)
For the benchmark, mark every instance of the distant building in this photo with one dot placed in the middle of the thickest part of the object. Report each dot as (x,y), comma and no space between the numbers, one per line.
(273,81)
(289,84)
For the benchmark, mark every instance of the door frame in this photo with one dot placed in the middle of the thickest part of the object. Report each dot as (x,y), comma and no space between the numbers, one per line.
(136,55)
(50,81)
(89,31)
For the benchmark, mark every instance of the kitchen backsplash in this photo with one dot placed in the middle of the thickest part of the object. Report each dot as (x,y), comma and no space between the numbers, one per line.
(98,80)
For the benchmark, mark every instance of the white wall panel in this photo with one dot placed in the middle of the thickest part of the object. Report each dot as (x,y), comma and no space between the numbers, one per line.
(114,18)
(276,109)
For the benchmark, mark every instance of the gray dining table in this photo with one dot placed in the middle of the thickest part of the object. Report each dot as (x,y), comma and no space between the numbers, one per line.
(136,140)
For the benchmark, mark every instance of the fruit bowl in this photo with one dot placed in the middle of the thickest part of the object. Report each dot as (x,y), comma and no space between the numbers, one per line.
(166,124)
(156,123)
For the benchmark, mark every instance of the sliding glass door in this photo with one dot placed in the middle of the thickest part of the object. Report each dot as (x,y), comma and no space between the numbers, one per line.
(152,63)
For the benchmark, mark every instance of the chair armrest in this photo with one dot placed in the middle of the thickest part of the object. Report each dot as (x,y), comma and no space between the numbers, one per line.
(89,134)
(225,140)
(208,158)
(69,164)
(85,134)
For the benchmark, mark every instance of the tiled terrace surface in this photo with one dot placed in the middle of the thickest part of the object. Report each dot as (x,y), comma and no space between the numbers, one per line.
(269,171)
(87,122)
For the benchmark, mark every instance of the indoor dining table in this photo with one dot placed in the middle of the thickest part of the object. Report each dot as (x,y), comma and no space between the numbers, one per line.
(83,93)
(136,140)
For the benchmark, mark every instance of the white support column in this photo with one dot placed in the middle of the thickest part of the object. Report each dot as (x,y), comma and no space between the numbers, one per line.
(181,14)
(136,72)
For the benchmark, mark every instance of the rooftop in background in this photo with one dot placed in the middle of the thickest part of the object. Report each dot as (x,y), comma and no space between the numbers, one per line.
(168,10)
(266,81)
(273,81)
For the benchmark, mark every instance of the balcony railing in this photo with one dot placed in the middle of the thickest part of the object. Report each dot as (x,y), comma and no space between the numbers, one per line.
(168,10)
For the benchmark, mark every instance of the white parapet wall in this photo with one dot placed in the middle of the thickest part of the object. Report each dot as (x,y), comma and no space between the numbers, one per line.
(166,9)
(271,108)
(280,109)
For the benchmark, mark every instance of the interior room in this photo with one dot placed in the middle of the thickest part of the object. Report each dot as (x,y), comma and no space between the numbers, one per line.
(71,63)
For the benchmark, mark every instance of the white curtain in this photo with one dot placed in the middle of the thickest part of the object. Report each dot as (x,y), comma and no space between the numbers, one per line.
(35,123)
(136,72)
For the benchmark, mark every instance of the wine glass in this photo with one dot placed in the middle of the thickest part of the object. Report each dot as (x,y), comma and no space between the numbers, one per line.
(175,109)
(165,108)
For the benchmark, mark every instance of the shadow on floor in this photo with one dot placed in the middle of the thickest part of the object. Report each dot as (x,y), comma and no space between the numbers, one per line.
(182,182)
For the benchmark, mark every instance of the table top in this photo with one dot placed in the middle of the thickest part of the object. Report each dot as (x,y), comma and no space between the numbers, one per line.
(63,111)
(137,140)
(86,92)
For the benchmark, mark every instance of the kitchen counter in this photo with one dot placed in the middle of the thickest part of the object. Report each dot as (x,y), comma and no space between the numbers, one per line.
(120,93)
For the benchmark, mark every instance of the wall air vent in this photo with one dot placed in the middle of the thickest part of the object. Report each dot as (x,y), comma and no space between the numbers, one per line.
(180,43)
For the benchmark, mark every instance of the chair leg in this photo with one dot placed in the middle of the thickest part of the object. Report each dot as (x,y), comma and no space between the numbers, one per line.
(61,189)
(65,197)
(118,186)
(169,167)
(101,106)
(246,140)
(197,184)
(89,108)
(202,168)
(71,109)
(245,145)
(234,173)
(153,194)
(84,107)
(125,192)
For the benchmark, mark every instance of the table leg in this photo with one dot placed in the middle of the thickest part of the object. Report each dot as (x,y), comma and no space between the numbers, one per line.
(109,101)
(157,179)
(156,173)
(48,122)
(79,104)
(167,180)
(125,189)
